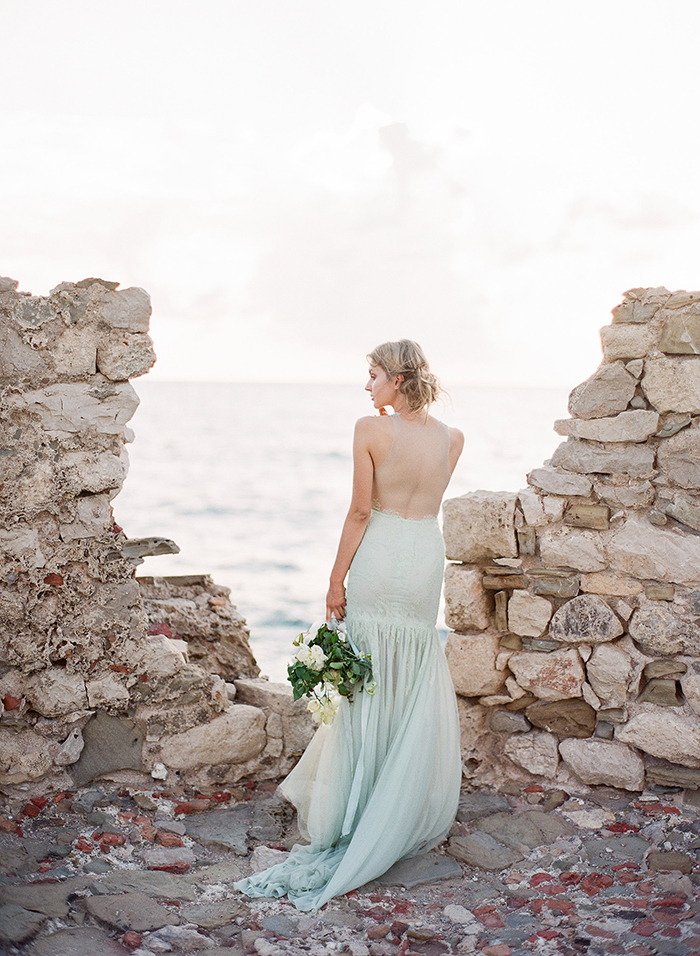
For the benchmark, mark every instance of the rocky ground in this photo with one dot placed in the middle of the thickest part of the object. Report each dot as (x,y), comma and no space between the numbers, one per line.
(115,870)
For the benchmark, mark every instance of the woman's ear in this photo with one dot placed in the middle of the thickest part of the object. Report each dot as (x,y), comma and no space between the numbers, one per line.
(398,379)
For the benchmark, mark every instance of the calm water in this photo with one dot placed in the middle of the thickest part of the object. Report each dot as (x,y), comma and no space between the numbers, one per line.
(253,482)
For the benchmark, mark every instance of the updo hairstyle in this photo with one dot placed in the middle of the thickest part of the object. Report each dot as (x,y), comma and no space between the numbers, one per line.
(407,358)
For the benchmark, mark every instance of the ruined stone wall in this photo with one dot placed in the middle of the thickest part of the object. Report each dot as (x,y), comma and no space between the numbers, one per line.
(575,602)
(101,673)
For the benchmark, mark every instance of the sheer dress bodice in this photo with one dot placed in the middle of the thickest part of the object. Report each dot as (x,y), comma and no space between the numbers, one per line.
(412,479)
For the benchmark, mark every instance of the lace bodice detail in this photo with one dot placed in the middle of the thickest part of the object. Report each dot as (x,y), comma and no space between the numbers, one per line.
(412,479)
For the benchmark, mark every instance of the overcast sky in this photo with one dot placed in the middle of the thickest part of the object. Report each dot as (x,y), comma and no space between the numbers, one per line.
(294,181)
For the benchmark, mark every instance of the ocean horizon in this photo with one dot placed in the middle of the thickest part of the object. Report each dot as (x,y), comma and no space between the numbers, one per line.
(253,481)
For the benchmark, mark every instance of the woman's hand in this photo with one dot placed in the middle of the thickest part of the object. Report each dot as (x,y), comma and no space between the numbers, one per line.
(335,602)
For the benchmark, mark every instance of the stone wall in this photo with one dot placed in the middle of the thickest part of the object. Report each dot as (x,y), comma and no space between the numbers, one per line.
(575,602)
(100,672)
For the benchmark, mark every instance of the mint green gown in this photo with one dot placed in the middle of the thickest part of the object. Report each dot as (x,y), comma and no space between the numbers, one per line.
(381,783)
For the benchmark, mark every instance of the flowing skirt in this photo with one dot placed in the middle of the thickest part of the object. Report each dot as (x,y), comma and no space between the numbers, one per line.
(381,783)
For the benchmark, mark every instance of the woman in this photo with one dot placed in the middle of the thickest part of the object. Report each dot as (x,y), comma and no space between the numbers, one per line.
(381,783)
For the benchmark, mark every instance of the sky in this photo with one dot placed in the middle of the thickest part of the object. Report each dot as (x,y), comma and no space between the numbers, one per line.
(294,181)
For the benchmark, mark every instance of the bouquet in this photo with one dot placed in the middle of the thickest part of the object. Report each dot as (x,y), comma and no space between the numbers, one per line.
(326,667)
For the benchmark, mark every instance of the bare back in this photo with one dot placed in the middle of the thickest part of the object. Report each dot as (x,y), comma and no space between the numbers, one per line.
(412,479)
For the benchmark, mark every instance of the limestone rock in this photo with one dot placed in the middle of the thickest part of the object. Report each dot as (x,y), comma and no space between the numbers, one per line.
(94,473)
(71,408)
(93,517)
(664,733)
(77,941)
(535,752)
(625,341)
(482,850)
(587,619)
(560,584)
(18,924)
(658,630)
(661,691)
(528,615)
(567,548)
(640,305)
(506,722)
(467,605)
(610,670)
(472,662)
(604,582)
(297,726)
(480,525)
(581,514)
(679,457)
(648,552)
(108,693)
(539,510)
(672,384)
(24,756)
(690,684)
(127,309)
(555,482)
(681,333)
(122,355)
(234,737)
(605,393)
(634,426)
(566,718)
(602,763)
(549,676)
(54,691)
(625,494)
(71,749)
(671,774)
(587,458)
(686,509)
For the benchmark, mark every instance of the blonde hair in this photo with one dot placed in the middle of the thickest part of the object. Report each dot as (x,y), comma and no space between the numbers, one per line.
(407,358)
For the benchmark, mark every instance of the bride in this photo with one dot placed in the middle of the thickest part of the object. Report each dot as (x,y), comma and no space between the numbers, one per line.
(381,783)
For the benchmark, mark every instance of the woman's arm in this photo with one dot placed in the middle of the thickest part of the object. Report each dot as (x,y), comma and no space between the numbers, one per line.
(356,520)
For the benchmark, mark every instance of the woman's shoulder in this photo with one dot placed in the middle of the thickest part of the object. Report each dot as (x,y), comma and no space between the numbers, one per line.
(374,424)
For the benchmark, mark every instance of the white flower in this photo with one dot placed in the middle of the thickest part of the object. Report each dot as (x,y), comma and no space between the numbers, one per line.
(371,686)
(316,658)
(304,654)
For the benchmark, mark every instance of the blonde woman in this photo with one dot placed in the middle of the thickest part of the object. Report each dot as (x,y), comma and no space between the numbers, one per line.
(381,783)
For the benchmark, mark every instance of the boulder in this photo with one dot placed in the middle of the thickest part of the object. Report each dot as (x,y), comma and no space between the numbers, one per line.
(605,393)
(606,582)
(620,493)
(588,458)
(128,309)
(672,384)
(604,763)
(585,619)
(297,726)
(561,584)
(583,514)
(549,676)
(110,743)
(640,305)
(539,510)
(625,341)
(54,692)
(472,662)
(662,732)
(610,670)
(555,482)
(122,355)
(72,408)
(690,685)
(480,525)
(234,737)
(535,752)
(686,509)
(646,551)
(681,332)
(467,605)
(568,548)
(679,457)
(566,718)
(528,615)
(633,426)
(658,630)
(108,693)
(24,756)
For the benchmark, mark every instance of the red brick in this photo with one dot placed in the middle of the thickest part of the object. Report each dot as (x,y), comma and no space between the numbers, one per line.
(538,878)
(83,845)
(595,882)
(172,868)
(160,629)
(131,939)
(109,839)
(571,878)
(165,838)
(647,927)
(31,811)
(671,931)
(593,930)
(566,907)
(11,703)
(39,802)
(670,901)
(547,934)
(54,580)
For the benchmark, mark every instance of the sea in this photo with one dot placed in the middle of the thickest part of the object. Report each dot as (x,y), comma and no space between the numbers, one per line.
(253,481)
